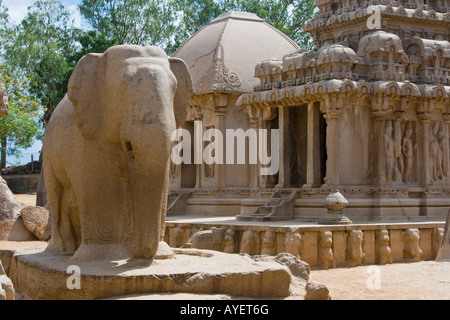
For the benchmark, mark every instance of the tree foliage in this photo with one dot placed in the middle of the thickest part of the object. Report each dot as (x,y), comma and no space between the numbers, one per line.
(169,23)
(21,127)
(141,22)
(41,45)
(38,55)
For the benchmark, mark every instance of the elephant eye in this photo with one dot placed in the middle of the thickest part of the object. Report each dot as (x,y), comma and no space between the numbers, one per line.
(132,77)
(128,146)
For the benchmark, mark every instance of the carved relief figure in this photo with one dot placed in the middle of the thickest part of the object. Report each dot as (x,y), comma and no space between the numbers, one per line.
(408,148)
(441,140)
(411,248)
(436,153)
(354,251)
(326,258)
(389,151)
(292,244)
(269,244)
(382,249)
(250,243)
(229,242)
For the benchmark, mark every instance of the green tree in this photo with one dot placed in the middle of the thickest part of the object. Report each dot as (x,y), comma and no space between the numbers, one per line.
(20,128)
(41,45)
(141,22)
(89,42)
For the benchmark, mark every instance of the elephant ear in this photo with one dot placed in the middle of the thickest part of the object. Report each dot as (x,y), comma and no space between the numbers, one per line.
(85,94)
(184,89)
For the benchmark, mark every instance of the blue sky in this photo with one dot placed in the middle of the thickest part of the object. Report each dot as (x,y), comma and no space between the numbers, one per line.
(17,9)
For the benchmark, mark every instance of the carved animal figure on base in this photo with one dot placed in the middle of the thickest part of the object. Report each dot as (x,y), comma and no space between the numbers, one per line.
(354,252)
(106,153)
(383,249)
(326,257)
(411,248)
(292,244)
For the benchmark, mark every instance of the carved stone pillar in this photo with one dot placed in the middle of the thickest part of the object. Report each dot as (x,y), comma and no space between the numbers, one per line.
(379,177)
(332,135)
(398,167)
(283,125)
(220,103)
(197,139)
(255,121)
(313,146)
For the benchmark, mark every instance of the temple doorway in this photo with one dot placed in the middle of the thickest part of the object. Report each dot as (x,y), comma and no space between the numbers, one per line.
(305,166)
(188,171)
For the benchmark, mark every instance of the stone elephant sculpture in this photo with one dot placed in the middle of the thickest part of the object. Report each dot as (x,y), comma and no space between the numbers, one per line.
(106,153)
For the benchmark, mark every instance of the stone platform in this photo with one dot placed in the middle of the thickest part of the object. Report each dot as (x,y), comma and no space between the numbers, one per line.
(277,236)
(40,275)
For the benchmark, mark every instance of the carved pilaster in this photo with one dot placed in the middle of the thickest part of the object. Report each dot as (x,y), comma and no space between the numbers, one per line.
(313,146)
(220,103)
(332,115)
(398,166)
(283,124)
(446,146)
(379,156)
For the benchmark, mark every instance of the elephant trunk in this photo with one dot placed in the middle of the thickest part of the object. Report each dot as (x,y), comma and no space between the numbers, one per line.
(147,194)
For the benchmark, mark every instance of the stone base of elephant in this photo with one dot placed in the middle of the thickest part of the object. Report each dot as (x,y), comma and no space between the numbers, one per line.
(41,275)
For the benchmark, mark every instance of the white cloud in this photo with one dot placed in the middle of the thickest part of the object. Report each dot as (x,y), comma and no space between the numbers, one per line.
(17,9)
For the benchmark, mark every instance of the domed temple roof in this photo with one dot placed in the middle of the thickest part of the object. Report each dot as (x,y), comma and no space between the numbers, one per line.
(222,56)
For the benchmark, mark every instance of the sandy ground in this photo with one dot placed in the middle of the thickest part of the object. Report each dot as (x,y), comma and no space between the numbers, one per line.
(28,199)
(425,280)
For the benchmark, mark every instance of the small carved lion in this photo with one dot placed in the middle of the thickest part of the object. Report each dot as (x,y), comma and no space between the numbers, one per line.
(229,242)
(354,252)
(250,243)
(269,244)
(383,250)
(292,244)
(326,258)
(411,248)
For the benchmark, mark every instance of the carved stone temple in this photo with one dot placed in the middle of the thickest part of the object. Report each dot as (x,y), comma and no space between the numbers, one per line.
(368,113)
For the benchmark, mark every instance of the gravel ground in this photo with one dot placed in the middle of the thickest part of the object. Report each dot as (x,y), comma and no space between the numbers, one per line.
(425,280)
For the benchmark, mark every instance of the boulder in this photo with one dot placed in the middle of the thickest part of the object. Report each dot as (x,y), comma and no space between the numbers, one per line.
(317,291)
(37,221)
(298,267)
(6,286)
(9,210)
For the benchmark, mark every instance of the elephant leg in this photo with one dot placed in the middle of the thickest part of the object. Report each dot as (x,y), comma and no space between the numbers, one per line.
(103,214)
(149,198)
(65,224)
